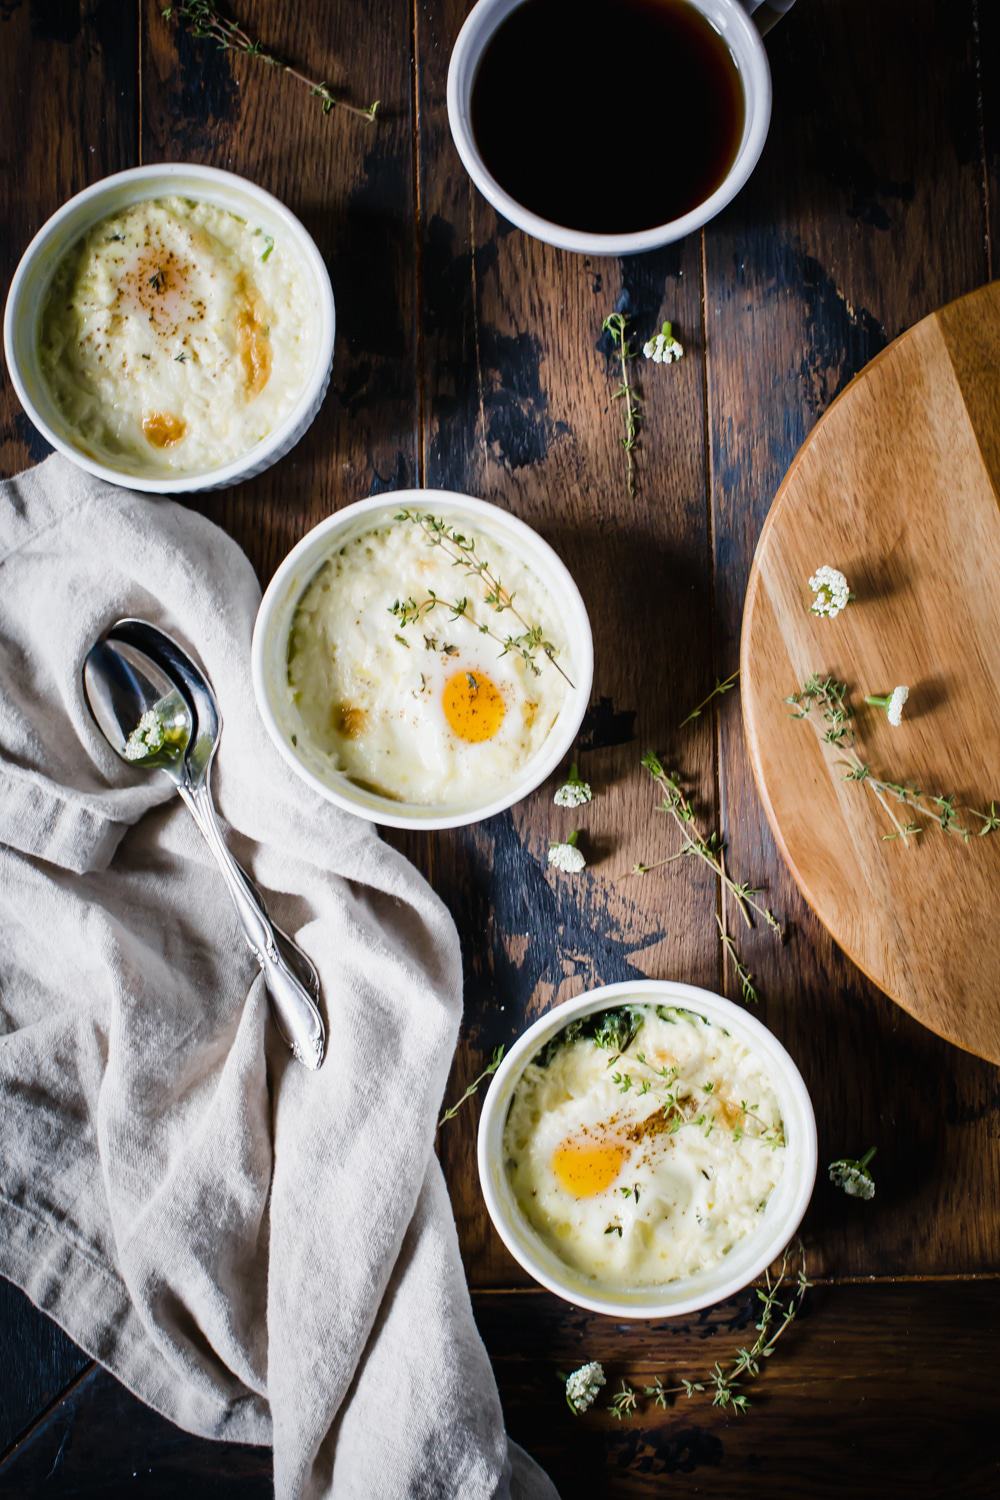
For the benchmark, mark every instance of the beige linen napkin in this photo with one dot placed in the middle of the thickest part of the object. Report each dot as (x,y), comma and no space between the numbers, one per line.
(261,1253)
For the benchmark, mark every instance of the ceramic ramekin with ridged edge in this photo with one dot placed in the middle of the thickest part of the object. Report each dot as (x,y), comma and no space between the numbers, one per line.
(277,610)
(34,273)
(750,1257)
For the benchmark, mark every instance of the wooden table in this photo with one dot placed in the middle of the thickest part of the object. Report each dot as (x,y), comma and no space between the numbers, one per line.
(470,357)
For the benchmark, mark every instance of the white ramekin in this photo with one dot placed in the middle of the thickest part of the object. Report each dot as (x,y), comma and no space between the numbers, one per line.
(779,1221)
(39,261)
(270,643)
(730,19)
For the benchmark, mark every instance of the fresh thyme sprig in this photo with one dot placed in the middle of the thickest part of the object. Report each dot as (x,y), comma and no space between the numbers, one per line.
(990,820)
(624,1402)
(658,1391)
(747,987)
(721,686)
(727,1383)
(616,327)
(824,702)
(462,551)
(710,849)
(487,1072)
(207,19)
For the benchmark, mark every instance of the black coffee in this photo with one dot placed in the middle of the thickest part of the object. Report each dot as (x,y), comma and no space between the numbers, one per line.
(607,115)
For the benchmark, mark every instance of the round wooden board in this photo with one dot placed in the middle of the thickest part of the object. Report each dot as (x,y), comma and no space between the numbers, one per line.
(899,486)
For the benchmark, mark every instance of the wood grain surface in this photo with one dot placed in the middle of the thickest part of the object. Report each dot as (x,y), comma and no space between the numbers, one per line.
(471,357)
(899,486)
(871,1398)
(874,1395)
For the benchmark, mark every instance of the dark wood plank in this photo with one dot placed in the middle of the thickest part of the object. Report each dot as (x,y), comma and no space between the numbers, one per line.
(37,1362)
(516,399)
(876,1390)
(351,183)
(987,49)
(835,247)
(101,1441)
(68,116)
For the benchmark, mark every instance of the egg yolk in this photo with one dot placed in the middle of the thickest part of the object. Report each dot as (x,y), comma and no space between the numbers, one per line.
(348,720)
(163,429)
(585,1167)
(160,284)
(473,706)
(252,338)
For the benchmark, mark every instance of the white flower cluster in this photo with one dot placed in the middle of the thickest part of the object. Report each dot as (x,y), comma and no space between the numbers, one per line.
(663,348)
(567,857)
(855,1179)
(831,590)
(584,1386)
(893,703)
(573,793)
(146,738)
(894,710)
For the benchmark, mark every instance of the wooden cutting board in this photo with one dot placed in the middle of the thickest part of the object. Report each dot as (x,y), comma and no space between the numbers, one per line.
(899,487)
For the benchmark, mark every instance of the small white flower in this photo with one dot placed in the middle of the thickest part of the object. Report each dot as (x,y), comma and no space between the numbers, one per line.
(893,703)
(854,1176)
(855,1184)
(897,698)
(831,590)
(146,738)
(584,1386)
(574,792)
(567,857)
(663,348)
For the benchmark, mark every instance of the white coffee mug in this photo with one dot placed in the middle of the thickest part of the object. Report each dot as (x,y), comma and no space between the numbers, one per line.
(732,21)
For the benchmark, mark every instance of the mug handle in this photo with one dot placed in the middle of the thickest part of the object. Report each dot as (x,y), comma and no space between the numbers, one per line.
(767,13)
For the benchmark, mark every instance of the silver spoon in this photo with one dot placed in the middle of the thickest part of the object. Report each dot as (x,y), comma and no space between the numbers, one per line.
(186,675)
(147,720)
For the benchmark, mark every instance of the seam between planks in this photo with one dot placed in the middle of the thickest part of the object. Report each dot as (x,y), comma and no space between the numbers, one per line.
(943,1278)
(977,56)
(722,966)
(418,248)
(139,22)
(41,1417)
(474,277)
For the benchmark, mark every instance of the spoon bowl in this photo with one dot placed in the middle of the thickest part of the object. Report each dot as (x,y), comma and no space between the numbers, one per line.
(138,709)
(161,650)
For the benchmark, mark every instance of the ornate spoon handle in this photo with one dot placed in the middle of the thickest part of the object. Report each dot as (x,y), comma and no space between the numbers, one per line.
(295,1013)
